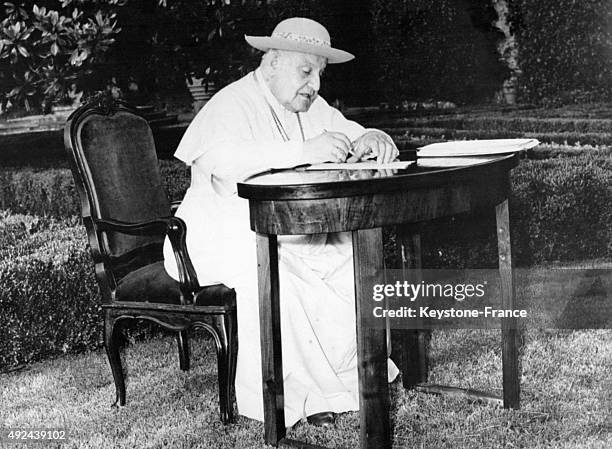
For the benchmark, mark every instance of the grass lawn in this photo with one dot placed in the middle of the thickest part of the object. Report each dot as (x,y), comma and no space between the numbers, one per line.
(566,398)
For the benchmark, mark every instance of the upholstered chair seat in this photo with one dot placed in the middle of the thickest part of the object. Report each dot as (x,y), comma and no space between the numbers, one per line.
(151,283)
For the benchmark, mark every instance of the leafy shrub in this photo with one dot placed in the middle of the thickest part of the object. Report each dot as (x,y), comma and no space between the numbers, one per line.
(520,124)
(47,54)
(563,209)
(560,209)
(564,126)
(162,42)
(423,47)
(555,151)
(48,294)
(48,192)
(442,134)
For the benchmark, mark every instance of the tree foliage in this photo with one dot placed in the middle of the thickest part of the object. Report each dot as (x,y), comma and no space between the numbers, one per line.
(439,49)
(565,49)
(49,50)
(410,50)
(170,41)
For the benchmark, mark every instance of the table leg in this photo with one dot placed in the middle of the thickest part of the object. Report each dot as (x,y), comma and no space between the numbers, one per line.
(414,343)
(270,331)
(510,366)
(375,429)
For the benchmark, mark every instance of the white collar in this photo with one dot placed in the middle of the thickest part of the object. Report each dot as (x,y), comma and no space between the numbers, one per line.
(267,93)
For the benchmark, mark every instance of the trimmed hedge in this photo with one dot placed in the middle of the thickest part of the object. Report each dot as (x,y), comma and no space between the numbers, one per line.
(564,49)
(46,192)
(572,138)
(565,126)
(518,124)
(48,295)
(561,210)
(51,192)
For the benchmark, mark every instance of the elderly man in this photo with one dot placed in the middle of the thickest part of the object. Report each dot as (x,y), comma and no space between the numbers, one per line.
(273,117)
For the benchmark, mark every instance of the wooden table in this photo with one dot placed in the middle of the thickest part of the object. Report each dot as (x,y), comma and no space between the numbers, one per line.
(363,202)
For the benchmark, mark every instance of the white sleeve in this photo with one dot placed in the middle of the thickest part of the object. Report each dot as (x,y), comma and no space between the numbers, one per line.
(221,139)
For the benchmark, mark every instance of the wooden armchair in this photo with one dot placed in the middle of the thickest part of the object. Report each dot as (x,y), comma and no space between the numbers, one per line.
(127,215)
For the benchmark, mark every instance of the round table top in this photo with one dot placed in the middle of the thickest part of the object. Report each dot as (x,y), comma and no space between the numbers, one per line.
(302,183)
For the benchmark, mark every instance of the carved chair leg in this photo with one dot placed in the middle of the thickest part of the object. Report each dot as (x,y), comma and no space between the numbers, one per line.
(223,328)
(231,325)
(182,338)
(112,332)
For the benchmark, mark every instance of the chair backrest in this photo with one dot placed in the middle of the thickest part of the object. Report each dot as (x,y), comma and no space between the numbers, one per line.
(116,172)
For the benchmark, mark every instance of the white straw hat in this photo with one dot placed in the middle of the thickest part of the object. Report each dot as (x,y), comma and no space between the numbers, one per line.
(303,35)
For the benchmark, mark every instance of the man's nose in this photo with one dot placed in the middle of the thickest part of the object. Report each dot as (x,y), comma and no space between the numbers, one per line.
(315,82)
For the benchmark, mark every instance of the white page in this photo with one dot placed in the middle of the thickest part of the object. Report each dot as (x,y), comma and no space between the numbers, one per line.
(476,147)
(452,161)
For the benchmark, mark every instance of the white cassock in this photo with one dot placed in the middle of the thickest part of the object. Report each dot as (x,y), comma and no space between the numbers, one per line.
(234,136)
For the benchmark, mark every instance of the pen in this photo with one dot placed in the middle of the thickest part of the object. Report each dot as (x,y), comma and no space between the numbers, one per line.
(272,171)
(351,150)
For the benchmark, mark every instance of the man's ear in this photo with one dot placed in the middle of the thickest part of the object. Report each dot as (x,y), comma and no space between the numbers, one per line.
(274,57)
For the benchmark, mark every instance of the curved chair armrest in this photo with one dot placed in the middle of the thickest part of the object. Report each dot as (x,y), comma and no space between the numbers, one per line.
(174,206)
(188,280)
(150,227)
(176,230)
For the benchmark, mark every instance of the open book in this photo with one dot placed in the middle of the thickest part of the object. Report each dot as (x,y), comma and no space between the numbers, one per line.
(462,148)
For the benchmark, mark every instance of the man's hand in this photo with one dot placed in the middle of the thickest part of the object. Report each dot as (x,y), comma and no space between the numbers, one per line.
(327,147)
(374,144)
